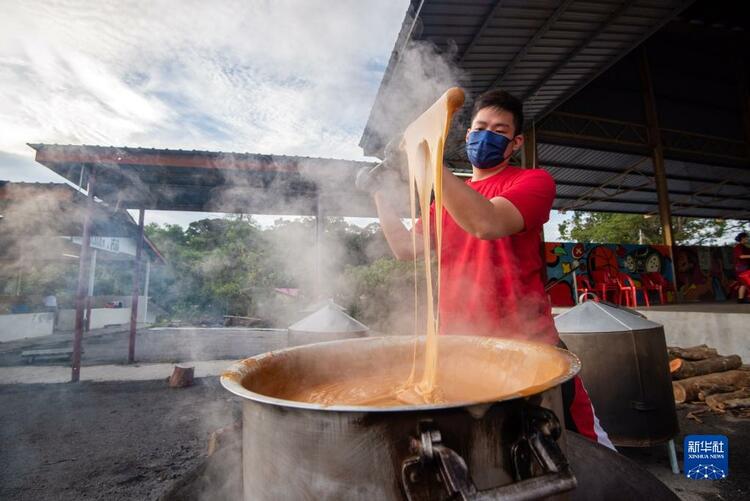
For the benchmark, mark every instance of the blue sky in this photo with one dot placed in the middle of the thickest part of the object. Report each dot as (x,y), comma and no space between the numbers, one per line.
(281,77)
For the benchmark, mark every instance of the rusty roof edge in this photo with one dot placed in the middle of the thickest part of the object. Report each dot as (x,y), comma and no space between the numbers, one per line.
(134,150)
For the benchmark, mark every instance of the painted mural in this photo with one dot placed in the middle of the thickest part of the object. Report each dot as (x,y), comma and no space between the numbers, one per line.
(703,273)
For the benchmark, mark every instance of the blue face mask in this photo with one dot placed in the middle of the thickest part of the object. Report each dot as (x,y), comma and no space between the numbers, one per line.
(486,149)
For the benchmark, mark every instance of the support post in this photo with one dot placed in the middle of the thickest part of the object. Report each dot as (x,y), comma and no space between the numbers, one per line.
(744,96)
(146,283)
(90,293)
(136,288)
(83,274)
(318,253)
(657,157)
(529,148)
(530,162)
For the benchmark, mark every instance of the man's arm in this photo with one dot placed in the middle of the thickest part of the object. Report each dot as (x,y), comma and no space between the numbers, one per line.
(398,237)
(484,219)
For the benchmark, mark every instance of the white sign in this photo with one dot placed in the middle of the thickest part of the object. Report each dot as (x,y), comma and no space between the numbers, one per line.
(116,245)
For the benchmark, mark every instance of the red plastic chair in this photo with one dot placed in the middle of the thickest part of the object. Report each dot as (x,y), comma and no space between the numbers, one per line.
(627,290)
(604,283)
(583,286)
(654,282)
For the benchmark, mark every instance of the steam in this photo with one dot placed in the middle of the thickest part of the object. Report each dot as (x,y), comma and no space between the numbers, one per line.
(421,75)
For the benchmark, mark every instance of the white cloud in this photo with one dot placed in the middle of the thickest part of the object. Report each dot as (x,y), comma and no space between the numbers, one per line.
(283,77)
(551,230)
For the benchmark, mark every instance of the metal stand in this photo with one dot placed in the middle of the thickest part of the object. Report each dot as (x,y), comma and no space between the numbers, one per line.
(673,457)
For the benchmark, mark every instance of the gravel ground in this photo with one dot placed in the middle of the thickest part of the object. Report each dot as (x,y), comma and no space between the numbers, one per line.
(735,488)
(128,440)
(133,440)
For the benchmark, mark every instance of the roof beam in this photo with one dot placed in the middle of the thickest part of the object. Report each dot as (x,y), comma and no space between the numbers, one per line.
(645,189)
(559,11)
(617,170)
(575,52)
(574,89)
(478,35)
(590,200)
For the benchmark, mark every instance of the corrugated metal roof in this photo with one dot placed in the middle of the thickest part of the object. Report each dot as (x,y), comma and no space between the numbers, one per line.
(596,180)
(543,51)
(212,181)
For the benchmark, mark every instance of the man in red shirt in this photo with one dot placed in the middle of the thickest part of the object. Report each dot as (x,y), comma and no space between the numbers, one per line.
(741,258)
(492,268)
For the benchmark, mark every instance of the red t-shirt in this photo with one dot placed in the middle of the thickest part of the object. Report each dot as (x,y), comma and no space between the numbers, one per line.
(740,264)
(495,287)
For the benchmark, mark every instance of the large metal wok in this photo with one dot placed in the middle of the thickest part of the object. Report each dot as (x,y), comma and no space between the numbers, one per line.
(507,445)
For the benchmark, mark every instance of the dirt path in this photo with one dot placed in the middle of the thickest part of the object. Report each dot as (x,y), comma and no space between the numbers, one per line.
(111,441)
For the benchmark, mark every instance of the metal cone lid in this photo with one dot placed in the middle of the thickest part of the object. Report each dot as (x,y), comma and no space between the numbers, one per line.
(330,318)
(591,316)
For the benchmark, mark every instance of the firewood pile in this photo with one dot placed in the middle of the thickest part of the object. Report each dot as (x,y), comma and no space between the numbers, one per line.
(709,381)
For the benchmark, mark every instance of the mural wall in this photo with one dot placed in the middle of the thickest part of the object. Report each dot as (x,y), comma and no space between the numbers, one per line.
(703,273)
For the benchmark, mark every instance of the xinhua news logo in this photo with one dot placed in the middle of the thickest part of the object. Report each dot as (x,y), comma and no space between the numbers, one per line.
(706,457)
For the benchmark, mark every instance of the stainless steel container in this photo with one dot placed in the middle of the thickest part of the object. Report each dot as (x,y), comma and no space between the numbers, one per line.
(508,448)
(625,368)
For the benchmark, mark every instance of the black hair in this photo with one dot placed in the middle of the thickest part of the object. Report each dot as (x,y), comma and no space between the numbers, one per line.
(739,237)
(503,100)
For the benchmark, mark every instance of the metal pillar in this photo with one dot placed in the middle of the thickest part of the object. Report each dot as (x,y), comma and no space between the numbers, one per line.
(744,96)
(90,293)
(146,283)
(83,275)
(529,148)
(530,162)
(136,288)
(657,156)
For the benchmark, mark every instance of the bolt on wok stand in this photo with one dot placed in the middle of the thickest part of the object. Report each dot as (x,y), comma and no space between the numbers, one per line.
(437,471)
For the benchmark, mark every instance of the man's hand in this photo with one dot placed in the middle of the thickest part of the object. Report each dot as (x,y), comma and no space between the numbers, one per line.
(386,174)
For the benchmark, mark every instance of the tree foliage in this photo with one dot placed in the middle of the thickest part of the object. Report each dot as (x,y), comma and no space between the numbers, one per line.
(601,227)
(232,266)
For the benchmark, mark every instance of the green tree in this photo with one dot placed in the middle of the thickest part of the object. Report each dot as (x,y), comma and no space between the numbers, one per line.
(601,227)
(214,267)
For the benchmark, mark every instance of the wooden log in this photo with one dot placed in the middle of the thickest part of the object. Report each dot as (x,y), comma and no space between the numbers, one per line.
(712,389)
(700,352)
(688,369)
(181,377)
(737,403)
(720,401)
(686,390)
(674,365)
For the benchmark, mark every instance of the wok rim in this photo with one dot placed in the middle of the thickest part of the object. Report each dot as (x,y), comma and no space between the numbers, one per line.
(232,377)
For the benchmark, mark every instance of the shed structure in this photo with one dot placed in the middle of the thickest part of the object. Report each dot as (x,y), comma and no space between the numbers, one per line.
(632,106)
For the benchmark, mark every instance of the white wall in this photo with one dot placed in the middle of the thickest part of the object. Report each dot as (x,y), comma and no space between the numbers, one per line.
(727,332)
(101,317)
(23,325)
